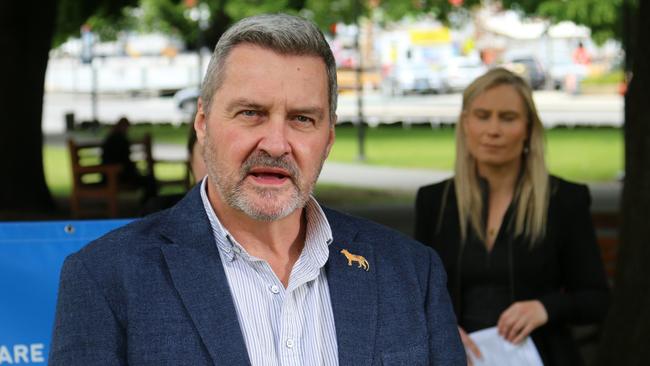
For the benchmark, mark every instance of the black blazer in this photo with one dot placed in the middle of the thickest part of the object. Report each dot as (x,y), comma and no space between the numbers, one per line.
(564,271)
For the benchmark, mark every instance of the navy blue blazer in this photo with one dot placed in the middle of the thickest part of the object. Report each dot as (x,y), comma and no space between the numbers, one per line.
(155,293)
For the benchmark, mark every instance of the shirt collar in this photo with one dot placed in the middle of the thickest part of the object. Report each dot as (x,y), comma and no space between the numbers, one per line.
(318,233)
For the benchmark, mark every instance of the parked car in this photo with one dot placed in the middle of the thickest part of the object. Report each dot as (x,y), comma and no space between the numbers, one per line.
(529,68)
(458,72)
(186,99)
(411,78)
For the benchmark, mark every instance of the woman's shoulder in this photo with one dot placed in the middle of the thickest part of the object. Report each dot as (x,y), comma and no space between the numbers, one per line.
(564,190)
(437,189)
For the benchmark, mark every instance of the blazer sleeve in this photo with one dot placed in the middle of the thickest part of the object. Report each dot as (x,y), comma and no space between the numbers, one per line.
(86,331)
(444,340)
(584,297)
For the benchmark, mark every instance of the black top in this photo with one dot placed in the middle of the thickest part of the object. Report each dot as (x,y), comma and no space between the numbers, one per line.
(116,149)
(564,271)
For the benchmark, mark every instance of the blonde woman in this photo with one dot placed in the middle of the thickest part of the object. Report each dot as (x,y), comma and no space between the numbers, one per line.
(518,244)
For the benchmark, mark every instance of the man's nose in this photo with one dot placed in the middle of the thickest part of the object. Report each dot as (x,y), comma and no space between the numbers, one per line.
(274,140)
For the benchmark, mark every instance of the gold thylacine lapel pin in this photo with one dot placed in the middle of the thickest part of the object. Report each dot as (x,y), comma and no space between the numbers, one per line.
(363,263)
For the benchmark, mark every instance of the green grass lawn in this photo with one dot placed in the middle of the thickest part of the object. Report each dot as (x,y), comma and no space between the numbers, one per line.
(610,78)
(579,154)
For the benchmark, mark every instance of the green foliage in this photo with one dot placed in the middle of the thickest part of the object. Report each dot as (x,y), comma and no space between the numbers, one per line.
(173,16)
(325,13)
(170,17)
(242,9)
(108,28)
(603,17)
(107,15)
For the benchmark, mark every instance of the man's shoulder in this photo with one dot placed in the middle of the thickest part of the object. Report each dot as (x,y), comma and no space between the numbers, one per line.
(125,241)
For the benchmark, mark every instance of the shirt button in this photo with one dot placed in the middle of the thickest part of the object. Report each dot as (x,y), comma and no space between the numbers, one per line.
(236,249)
(290,343)
(275,289)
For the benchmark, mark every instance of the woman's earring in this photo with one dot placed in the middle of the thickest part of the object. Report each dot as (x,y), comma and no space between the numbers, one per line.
(526,150)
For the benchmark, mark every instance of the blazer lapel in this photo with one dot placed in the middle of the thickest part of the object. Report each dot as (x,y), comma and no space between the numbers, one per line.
(353,293)
(197,273)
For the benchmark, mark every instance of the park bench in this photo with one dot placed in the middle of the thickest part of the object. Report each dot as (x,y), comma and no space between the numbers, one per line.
(92,180)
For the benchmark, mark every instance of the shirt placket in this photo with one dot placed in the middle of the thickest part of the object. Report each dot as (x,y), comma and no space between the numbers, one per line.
(289,337)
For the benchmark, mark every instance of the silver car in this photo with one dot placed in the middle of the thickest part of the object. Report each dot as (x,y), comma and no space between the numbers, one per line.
(186,99)
(411,78)
(458,72)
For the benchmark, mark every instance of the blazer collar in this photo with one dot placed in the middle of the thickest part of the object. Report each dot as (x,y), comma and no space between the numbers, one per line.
(353,293)
(197,273)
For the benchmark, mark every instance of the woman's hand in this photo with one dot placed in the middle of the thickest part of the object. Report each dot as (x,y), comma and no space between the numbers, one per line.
(469,345)
(520,319)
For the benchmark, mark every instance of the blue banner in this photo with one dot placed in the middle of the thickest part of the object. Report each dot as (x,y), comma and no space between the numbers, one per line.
(31,256)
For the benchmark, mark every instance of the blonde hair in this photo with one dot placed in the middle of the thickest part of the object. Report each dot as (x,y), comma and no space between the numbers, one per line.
(532,192)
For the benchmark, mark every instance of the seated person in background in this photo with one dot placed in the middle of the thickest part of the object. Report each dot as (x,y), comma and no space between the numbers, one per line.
(518,244)
(116,149)
(197,172)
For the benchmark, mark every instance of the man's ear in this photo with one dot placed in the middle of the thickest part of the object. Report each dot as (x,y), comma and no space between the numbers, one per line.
(200,121)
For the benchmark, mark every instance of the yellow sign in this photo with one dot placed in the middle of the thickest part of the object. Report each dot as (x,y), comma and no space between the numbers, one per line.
(425,37)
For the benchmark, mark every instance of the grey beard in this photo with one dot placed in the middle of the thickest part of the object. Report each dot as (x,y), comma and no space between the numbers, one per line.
(237,199)
(235,196)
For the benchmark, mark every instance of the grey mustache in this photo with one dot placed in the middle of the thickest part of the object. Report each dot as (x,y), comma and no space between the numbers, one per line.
(263,160)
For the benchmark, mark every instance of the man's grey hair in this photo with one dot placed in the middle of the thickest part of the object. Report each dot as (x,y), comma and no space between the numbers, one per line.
(280,33)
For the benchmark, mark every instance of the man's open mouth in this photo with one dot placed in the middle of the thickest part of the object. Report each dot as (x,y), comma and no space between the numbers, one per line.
(269,175)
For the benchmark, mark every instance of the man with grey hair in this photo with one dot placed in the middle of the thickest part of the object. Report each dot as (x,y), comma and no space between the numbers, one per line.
(248,268)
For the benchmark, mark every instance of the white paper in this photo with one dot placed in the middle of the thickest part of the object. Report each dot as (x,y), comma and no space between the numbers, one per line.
(497,351)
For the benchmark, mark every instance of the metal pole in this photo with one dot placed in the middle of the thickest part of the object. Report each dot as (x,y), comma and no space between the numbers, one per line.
(200,71)
(361,133)
(93,93)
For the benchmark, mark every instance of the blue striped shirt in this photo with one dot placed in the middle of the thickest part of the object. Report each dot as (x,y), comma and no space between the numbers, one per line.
(292,326)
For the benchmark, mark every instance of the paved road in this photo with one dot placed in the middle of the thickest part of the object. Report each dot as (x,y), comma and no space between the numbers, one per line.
(400,216)
(605,195)
(555,108)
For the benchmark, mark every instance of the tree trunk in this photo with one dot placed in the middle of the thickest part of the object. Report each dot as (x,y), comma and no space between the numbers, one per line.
(26,31)
(627,329)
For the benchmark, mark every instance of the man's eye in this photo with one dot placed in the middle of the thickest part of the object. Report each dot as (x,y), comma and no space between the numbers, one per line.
(250,113)
(303,119)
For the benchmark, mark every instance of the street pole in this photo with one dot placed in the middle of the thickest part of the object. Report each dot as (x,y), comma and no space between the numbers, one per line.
(200,13)
(203,18)
(87,57)
(93,94)
(361,133)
